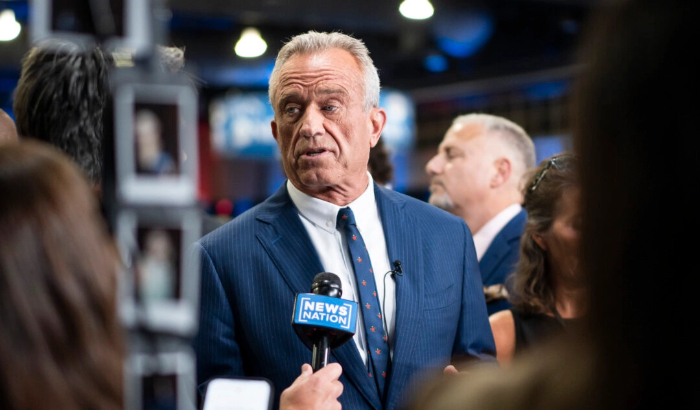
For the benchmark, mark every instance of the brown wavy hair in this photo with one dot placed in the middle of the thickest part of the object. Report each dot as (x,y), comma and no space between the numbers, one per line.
(61,345)
(531,286)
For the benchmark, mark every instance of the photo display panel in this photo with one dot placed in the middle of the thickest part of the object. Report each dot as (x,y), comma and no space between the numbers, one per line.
(158,264)
(160,285)
(156,147)
(155,142)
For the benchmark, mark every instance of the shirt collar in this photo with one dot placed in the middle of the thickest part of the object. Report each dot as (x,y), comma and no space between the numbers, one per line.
(323,214)
(486,235)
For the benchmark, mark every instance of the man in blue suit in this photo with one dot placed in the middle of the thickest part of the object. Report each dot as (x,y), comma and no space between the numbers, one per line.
(330,216)
(477,175)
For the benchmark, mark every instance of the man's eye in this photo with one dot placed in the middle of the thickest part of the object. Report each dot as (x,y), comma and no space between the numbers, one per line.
(330,108)
(292,110)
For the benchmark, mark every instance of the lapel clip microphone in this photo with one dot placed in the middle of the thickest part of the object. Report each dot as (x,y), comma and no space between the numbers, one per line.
(398,269)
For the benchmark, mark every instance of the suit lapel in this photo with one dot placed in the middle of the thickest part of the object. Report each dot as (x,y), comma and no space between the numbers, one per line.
(403,243)
(287,243)
(501,246)
(492,257)
(354,370)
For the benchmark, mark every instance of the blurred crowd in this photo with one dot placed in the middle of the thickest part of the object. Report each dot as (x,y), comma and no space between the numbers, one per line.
(573,252)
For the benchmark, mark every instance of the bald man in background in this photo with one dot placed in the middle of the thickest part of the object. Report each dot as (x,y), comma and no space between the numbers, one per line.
(477,175)
(8,131)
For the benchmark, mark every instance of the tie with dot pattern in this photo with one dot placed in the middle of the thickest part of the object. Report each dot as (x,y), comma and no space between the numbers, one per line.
(378,348)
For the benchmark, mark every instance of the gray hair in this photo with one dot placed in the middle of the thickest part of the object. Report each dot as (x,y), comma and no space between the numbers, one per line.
(315,42)
(511,133)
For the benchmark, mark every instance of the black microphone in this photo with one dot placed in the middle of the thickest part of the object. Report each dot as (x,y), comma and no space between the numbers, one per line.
(398,269)
(322,320)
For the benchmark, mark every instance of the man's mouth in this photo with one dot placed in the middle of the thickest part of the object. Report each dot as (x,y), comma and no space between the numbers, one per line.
(314,152)
(435,184)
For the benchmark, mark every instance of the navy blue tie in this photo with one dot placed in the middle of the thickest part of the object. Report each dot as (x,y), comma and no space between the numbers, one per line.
(378,348)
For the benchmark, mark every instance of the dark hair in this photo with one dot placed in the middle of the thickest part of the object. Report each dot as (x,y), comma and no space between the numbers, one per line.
(61,343)
(532,288)
(60,99)
(636,134)
(380,167)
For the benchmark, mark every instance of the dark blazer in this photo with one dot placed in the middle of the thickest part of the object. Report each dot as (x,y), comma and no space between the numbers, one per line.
(501,257)
(253,267)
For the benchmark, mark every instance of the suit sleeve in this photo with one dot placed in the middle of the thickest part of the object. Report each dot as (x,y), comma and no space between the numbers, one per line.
(474,337)
(218,354)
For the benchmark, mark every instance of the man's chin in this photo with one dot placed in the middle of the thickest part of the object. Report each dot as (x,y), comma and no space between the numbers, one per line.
(441,201)
(314,179)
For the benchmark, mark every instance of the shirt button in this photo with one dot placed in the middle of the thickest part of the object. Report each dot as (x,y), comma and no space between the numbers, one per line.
(329,224)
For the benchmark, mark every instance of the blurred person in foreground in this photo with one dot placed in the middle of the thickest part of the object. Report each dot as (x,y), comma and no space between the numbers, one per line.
(549,295)
(477,175)
(8,131)
(62,345)
(324,90)
(636,151)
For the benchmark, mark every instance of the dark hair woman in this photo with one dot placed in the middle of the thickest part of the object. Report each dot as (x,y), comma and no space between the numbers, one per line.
(548,293)
(60,98)
(61,343)
(636,115)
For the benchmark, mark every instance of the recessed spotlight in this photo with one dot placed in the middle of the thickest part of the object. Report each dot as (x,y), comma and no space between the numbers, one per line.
(250,44)
(9,27)
(416,9)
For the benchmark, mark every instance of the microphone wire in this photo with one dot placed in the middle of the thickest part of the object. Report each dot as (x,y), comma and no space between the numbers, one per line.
(396,271)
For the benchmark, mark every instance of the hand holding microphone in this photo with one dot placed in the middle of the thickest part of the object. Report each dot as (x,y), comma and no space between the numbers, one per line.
(314,391)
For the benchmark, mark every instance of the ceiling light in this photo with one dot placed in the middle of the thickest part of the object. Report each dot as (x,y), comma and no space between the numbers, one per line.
(250,44)
(9,27)
(416,9)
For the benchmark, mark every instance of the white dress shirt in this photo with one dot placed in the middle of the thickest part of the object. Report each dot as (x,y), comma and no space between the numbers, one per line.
(486,235)
(319,219)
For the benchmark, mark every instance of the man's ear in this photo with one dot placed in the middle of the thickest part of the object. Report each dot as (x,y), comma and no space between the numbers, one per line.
(273,125)
(504,168)
(540,241)
(377,121)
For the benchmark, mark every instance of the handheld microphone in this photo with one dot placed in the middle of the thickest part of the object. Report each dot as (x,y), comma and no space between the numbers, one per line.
(322,320)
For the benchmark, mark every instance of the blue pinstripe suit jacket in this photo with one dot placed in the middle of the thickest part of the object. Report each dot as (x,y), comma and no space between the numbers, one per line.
(253,267)
(501,258)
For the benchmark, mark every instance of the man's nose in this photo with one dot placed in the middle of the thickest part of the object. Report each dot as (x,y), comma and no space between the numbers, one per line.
(434,166)
(312,122)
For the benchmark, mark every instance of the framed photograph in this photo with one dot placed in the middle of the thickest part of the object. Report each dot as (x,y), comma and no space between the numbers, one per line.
(155,143)
(161,289)
(117,24)
(160,381)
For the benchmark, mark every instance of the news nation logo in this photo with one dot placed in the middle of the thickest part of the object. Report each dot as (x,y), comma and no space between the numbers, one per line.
(325,311)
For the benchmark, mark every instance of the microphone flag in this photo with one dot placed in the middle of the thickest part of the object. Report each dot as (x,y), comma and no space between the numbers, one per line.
(314,314)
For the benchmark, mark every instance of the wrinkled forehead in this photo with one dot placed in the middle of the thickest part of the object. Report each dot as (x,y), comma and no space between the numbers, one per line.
(316,68)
